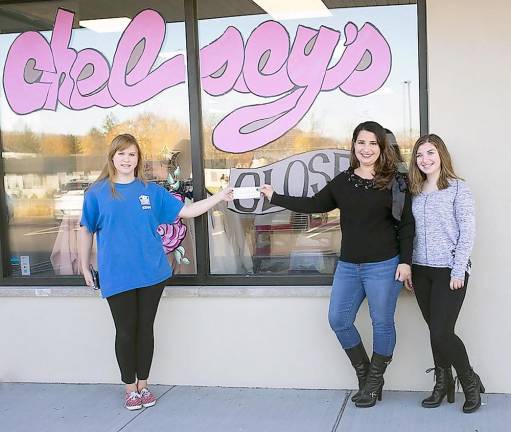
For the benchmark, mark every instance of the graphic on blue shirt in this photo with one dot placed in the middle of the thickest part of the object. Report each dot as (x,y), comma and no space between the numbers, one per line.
(145,202)
(130,252)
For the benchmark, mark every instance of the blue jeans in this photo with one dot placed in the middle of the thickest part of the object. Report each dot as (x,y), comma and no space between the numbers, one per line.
(352,283)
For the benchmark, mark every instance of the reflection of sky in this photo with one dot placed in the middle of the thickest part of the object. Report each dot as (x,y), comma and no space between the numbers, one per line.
(334,113)
(388,105)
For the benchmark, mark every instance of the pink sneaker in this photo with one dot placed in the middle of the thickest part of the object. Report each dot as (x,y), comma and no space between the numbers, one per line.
(148,399)
(132,401)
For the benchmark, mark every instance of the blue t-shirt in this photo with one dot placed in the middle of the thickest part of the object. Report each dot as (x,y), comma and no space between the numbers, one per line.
(130,252)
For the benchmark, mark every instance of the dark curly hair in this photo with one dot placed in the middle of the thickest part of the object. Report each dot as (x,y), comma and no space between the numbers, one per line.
(385,166)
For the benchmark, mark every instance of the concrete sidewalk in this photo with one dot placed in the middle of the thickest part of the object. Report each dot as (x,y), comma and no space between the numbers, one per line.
(98,408)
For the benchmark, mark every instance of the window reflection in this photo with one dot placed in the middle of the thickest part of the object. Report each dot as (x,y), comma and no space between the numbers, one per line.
(51,156)
(244,97)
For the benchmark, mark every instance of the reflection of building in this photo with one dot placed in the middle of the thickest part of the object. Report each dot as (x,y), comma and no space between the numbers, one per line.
(39,176)
(216,176)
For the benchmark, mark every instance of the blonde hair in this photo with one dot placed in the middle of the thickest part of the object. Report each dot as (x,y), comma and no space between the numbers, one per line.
(119,143)
(417,177)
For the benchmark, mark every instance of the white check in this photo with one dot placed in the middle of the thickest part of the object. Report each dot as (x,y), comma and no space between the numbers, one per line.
(247,192)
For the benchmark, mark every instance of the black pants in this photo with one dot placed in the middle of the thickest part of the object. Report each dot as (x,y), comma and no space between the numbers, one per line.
(134,312)
(440,307)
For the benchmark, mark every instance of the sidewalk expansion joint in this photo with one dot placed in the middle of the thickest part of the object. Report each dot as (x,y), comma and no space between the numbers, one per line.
(341,411)
(143,410)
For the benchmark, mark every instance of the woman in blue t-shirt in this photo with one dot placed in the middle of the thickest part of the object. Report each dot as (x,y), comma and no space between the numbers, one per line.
(124,211)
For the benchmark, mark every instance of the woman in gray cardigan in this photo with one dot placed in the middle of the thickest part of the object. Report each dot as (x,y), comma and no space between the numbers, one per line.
(444,235)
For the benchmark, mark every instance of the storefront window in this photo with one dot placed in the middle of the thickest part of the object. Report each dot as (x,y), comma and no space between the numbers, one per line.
(282,92)
(75,74)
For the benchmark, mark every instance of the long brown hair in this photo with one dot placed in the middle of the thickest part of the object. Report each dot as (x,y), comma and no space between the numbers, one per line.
(385,166)
(119,143)
(417,177)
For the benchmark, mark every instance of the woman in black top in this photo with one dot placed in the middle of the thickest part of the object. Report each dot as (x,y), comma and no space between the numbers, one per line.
(376,249)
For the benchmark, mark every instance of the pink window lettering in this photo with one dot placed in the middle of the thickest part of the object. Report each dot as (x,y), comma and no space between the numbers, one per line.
(221,62)
(132,84)
(362,69)
(23,90)
(266,53)
(85,93)
(367,43)
(61,84)
(39,74)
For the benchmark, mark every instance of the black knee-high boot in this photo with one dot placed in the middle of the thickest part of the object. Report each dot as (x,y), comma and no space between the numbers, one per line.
(472,387)
(360,363)
(444,386)
(373,387)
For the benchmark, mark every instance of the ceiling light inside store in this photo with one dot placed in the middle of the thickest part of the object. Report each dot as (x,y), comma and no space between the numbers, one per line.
(294,9)
(106,25)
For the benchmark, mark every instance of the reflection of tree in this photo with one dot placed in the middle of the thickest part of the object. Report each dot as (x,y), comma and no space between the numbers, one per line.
(152,132)
(25,141)
(109,123)
(57,145)
(293,142)
(47,144)
(93,143)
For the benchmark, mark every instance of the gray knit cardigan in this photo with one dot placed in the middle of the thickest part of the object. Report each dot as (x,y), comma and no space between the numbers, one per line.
(444,228)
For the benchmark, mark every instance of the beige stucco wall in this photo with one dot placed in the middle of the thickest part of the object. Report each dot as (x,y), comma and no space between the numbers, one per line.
(220,341)
(268,341)
(469,103)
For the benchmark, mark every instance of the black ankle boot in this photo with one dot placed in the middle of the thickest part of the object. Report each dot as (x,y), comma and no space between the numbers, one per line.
(360,363)
(444,386)
(374,382)
(472,387)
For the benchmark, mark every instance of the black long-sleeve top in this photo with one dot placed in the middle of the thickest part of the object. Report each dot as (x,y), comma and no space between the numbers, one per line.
(369,231)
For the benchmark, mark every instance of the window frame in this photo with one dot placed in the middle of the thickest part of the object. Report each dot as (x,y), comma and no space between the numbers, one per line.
(203,276)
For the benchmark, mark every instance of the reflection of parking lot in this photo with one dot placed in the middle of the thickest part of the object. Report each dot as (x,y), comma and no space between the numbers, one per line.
(66,200)
(68,204)
(282,242)
(289,242)
(36,240)
(69,201)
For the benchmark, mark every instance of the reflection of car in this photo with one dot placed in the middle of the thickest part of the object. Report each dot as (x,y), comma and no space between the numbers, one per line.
(292,242)
(68,204)
(70,201)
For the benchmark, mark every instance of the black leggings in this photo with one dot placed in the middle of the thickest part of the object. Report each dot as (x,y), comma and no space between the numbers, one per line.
(440,307)
(134,312)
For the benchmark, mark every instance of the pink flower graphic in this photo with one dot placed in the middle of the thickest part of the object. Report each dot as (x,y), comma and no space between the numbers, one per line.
(172,235)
